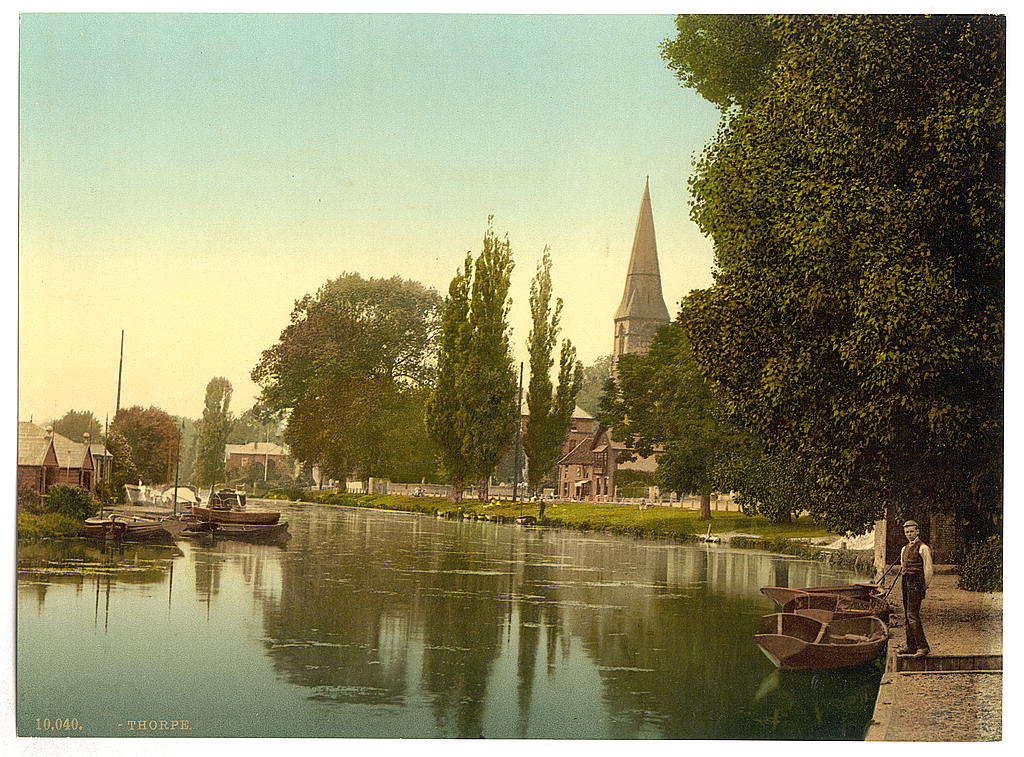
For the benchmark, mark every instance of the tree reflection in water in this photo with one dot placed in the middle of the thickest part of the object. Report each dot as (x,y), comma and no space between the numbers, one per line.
(490,629)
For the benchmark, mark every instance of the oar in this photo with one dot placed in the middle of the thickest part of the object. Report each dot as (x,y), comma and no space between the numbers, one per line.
(897,578)
(882,578)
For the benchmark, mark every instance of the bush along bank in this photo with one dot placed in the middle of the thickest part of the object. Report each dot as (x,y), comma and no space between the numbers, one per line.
(35,526)
(653,523)
(60,514)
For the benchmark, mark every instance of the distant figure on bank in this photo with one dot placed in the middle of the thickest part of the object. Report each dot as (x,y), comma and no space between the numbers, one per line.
(916,568)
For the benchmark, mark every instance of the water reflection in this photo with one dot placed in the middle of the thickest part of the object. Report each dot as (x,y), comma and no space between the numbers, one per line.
(387,624)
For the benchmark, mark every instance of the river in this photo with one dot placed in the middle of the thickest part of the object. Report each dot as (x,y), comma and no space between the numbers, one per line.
(369,623)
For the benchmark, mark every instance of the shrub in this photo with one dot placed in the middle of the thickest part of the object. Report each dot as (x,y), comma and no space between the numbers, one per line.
(29,499)
(982,567)
(70,501)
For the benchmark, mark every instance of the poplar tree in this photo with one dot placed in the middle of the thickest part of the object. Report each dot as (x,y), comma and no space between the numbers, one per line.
(487,383)
(213,432)
(472,411)
(550,410)
(444,416)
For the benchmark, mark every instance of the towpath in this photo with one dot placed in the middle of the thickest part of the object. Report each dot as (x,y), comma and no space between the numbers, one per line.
(963,627)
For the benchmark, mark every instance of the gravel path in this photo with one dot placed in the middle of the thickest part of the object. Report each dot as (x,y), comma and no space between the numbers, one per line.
(945,706)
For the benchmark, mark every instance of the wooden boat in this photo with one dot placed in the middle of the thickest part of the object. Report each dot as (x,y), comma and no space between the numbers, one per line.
(235,516)
(827,607)
(119,528)
(248,532)
(782,594)
(800,643)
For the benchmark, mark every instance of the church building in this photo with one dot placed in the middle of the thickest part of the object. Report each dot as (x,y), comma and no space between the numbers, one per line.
(587,472)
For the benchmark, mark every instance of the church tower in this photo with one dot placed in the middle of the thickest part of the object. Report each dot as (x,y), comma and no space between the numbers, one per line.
(642,310)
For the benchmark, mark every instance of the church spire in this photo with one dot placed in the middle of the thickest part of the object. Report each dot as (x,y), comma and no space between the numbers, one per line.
(642,310)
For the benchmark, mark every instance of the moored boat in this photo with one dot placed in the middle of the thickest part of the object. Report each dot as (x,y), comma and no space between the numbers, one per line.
(827,607)
(800,643)
(235,516)
(120,528)
(782,594)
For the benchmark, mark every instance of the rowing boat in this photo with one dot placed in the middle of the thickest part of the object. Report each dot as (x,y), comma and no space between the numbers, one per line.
(114,528)
(826,607)
(782,594)
(236,516)
(800,643)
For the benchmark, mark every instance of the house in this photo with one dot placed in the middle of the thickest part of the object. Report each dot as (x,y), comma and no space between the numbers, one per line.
(37,460)
(267,455)
(587,471)
(71,464)
(581,426)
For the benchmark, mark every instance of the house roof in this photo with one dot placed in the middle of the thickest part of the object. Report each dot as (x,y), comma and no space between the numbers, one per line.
(589,451)
(32,446)
(35,438)
(578,413)
(256,448)
(71,454)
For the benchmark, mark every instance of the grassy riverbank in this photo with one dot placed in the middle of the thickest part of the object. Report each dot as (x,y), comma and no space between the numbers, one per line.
(678,524)
(35,526)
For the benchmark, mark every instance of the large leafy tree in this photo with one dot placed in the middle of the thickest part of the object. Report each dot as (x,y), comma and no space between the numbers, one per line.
(472,411)
(550,409)
(661,402)
(856,208)
(351,372)
(150,436)
(727,58)
(75,424)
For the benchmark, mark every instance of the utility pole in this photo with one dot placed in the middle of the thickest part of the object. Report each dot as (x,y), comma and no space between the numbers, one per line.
(519,431)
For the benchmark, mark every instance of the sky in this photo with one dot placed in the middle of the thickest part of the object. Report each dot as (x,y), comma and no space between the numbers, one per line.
(187,178)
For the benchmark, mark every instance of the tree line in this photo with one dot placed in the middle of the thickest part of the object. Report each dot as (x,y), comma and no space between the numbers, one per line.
(385,378)
(151,446)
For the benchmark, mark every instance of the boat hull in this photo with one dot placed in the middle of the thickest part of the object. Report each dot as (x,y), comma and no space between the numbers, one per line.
(783,594)
(828,607)
(797,642)
(236,516)
(102,528)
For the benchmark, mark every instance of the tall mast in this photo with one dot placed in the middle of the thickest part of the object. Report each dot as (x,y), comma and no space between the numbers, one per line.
(120,365)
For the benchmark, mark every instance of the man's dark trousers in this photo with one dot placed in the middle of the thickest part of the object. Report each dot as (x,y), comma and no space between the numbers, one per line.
(913,593)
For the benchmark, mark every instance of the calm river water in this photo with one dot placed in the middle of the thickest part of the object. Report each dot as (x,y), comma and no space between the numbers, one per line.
(382,624)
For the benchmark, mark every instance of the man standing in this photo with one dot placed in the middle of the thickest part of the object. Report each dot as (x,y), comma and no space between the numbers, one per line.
(916,562)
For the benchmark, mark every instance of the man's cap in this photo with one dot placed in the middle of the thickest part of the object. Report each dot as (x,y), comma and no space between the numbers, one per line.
(911,523)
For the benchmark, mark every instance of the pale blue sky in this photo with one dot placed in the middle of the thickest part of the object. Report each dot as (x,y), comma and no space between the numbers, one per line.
(187,177)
